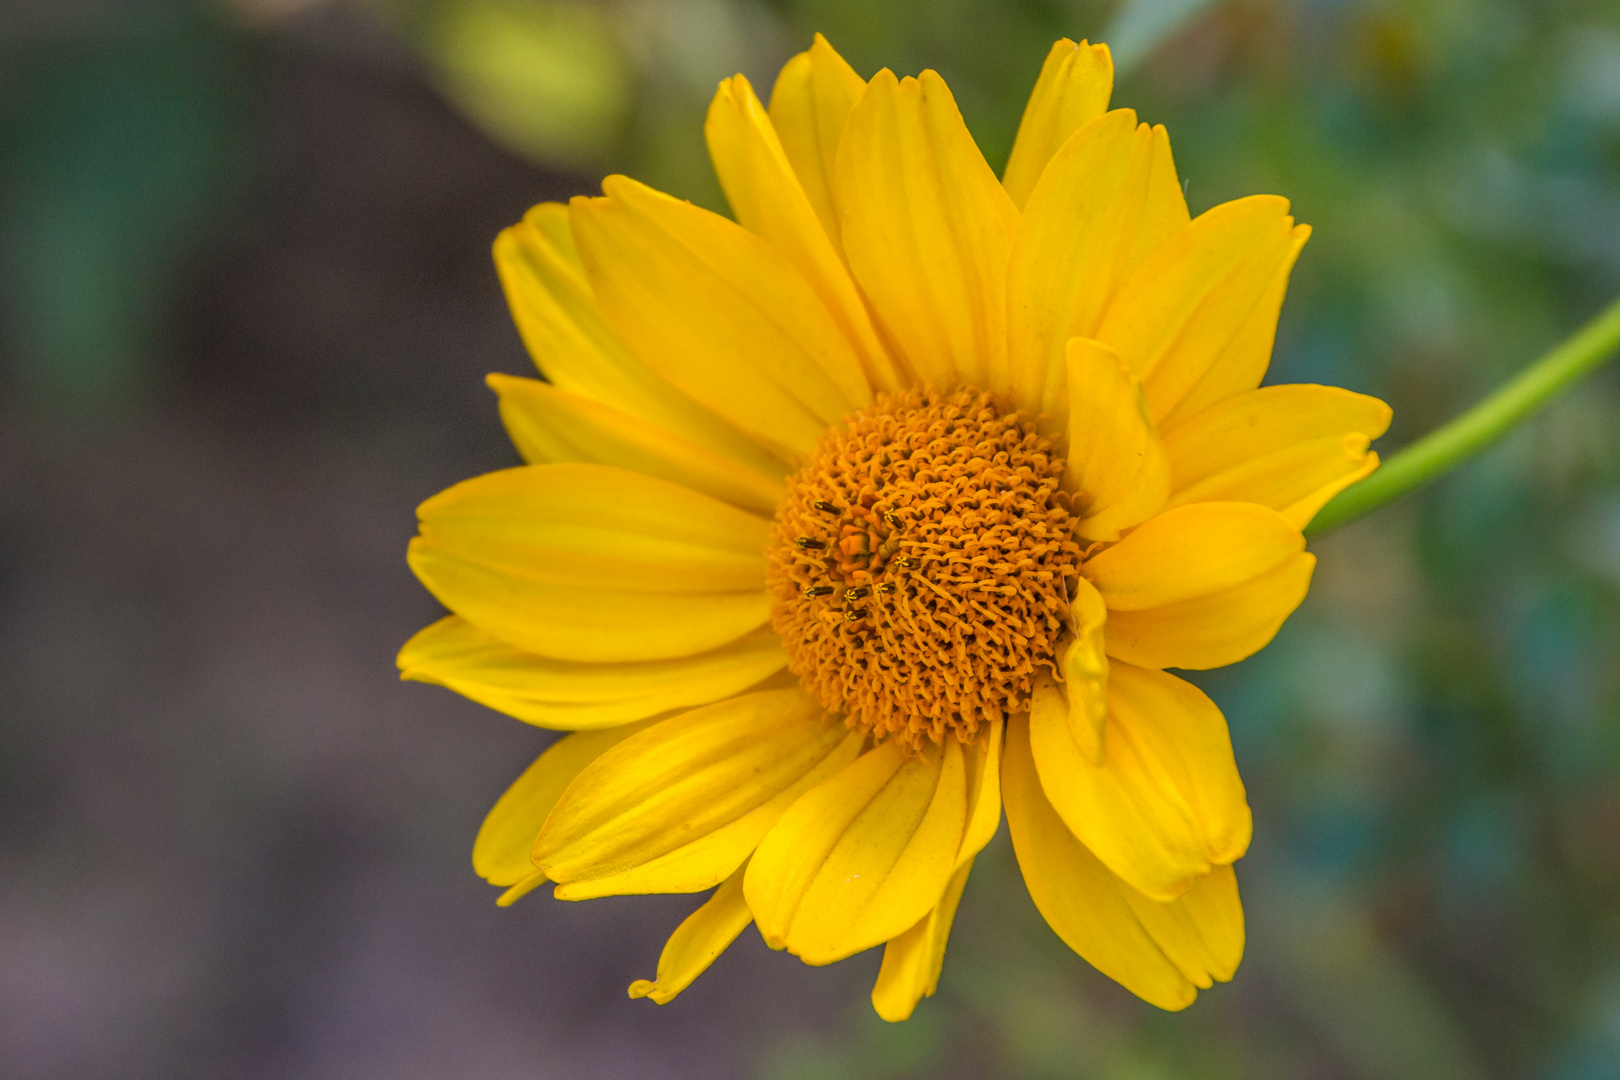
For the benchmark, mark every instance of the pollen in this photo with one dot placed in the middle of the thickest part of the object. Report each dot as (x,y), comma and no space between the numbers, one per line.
(935,580)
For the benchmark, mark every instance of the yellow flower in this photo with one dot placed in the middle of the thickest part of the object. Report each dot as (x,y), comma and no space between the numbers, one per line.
(884,507)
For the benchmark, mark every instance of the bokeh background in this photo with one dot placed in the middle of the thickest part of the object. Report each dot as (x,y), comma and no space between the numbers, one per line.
(246,305)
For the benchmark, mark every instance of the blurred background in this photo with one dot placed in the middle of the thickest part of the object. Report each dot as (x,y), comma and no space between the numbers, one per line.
(246,306)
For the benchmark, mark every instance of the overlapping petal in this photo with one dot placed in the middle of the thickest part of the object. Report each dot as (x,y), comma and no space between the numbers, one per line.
(928,230)
(1291,448)
(548,426)
(1214,630)
(698,942)
(501,851)
(1196,319)
(1164,805)
(809,105)
(863,857)
(679,807)
(1192,551)
(1072,90)
(912,961)
(1083,661)
(575,348)
(768,199)
(572,696)
(1108,199)
(1163,952)
(718,312)
(592,563)
(1117,466)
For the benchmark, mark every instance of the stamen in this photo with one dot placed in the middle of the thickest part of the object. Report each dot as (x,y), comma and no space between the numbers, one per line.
(809,542)
(813,591)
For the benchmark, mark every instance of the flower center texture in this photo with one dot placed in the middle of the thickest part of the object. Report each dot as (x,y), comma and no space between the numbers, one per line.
(919,565)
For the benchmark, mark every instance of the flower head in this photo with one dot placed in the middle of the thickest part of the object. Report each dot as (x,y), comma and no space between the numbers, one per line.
(884,507)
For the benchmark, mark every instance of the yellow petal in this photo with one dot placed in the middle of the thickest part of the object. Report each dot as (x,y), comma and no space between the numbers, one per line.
(1201,931)
(1117,465)
(593,563)
(1073,90)
(1243,362)
(912,961)
(1215,630)
(1162,952)
(928,230)
(809,104)
(1278,446)
(574,347)
(1083,660)
(1107,200)
(681,806)
(718,312)
(768,200)
(860,858)
(1300,513)
(551,220)
(1192,551)
(501,852)
(558,694)
(1165,804)
(983,760)
(698,942)
(1193,308)
(550,426)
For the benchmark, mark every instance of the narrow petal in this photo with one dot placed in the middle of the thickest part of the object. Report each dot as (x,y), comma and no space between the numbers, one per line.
(1084,664)
(1280,446)
(912,961)
(559,694)
(1215,630)
(593,563)
(1073,90)
(718,312)
(698,942)
(575,348)
(983,759)
(1192,551)
(768,200)
(1107,200)
(1165,804)
(1162,952)
(859,859)
(928,230)
(680,807)
(809,105)
(550,426)
(1189,319)
(501,852)
(1117,465)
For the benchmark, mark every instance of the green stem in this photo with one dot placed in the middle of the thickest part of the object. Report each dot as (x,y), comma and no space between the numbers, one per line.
(1445,448)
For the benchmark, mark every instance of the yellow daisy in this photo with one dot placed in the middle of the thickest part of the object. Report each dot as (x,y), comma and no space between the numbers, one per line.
(884,507)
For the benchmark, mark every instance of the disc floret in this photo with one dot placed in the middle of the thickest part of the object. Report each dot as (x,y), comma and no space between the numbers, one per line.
(920,564)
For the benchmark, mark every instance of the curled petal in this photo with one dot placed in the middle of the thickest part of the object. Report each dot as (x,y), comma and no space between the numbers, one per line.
(1163,952)
(1165,805)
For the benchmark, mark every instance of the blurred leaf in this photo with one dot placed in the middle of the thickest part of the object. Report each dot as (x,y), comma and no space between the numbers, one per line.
(546,79)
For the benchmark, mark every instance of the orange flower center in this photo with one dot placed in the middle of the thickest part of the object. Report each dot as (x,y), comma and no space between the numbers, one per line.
(919,565)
